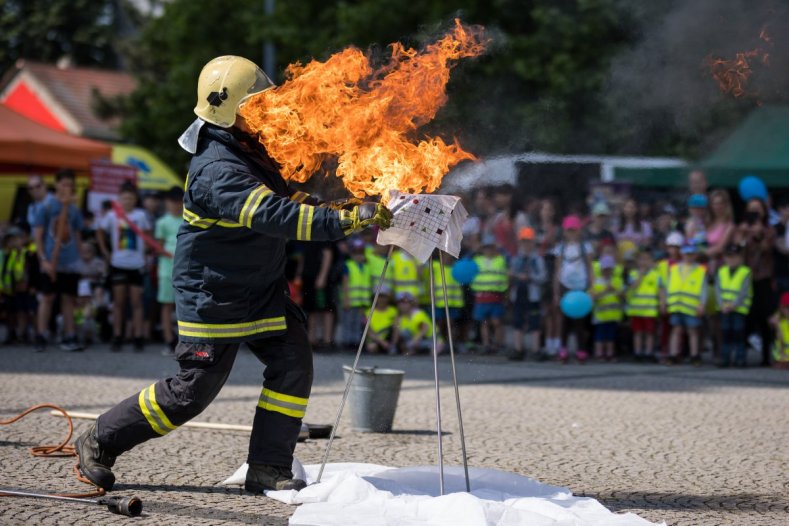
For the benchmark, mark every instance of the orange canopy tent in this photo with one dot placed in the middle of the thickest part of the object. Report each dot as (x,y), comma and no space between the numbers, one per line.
(25,144)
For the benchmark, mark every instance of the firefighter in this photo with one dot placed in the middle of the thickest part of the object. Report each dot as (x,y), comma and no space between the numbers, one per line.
(230,288)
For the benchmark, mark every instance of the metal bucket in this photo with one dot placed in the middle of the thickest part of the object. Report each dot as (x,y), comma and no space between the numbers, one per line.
(373,398)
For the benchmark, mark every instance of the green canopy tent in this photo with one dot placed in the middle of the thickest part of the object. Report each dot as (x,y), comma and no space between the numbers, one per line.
(759,146)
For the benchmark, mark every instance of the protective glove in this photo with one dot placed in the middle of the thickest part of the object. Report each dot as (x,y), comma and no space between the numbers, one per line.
(343,204)
(364,215)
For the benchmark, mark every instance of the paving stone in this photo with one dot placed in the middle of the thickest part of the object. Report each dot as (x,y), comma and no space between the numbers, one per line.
(689,446)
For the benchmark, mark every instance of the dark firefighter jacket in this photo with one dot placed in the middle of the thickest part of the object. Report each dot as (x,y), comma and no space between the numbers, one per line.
(229,262)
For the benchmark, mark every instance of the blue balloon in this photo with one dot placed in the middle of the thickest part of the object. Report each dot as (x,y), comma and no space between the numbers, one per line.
(464,271)
(751,187)
(576,304)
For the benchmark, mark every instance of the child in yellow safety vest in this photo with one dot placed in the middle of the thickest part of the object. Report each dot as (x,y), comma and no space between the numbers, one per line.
(380,336)
(685,299)
(490,286)
(781,323)
(643,302)
(414,332)
(356,292)
(19,269)
(607,292)
(734,293)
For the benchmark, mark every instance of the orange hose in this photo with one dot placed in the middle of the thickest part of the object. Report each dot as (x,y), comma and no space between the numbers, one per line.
(56,450)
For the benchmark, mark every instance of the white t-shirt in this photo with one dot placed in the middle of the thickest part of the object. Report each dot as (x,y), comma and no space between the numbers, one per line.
(573,270)
(128,249)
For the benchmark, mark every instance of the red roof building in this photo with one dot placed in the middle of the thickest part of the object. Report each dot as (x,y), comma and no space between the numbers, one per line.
(63,98)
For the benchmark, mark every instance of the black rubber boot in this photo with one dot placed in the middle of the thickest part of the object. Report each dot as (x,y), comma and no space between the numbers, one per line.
(261,477)
(94,462)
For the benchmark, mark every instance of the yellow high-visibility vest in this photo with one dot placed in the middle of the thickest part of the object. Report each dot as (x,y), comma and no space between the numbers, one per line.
(413,322)
(383,320)
(492,276)
(731,285)
(14,269)
(597,272)
(643,301)
(359,288)
(781,347)
(405,276)
(376,264)
(608,306)
(663,267)
(684,289)
(454,290)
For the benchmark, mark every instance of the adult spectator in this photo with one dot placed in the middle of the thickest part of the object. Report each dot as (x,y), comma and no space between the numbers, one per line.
(547,233)
(39,196)
(720,228)
(126,254)
(759,239)
(56,225)
(633,227)
(319,291)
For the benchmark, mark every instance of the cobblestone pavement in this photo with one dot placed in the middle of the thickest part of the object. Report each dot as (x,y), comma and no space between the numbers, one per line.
(683,445)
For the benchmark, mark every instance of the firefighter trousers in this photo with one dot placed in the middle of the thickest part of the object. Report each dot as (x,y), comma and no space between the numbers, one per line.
(204,368)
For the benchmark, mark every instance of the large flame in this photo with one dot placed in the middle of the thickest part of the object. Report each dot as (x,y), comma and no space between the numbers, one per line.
(364,117)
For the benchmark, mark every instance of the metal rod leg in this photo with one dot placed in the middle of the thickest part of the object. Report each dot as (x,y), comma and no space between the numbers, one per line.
(435,371)
(355,362)
(454,371)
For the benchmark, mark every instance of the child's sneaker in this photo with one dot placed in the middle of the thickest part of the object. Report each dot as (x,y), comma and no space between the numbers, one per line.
(581,356)
(564,356)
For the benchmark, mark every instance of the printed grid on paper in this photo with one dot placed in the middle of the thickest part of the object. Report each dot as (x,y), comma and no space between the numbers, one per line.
(422,216)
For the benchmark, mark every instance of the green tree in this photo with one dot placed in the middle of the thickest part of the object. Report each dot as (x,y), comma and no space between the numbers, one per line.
(537,87)
(47,30)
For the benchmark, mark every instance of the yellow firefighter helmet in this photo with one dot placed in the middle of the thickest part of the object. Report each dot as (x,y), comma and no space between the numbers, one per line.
(224,84)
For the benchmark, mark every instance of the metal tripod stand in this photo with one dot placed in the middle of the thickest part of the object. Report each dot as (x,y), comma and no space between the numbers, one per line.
(439,433)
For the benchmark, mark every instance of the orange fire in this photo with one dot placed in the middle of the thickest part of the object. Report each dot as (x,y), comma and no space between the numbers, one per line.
(732,75)
(365,117)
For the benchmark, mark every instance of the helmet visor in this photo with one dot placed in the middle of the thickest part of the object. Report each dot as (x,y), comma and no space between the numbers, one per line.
(262,83)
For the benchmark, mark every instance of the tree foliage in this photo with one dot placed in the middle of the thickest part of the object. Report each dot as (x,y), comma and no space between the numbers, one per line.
(46,30)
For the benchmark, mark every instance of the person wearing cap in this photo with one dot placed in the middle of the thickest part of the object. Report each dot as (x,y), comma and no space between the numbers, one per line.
(573,271)
(685,301)
(598,231)
(733,294)
(696,224)
(607,293)
(673,244)
(490,287)
(527,276)
(414,333)
(380,336)
(780,322)
(356,294)
(608,248)
(643,302)
(166,233)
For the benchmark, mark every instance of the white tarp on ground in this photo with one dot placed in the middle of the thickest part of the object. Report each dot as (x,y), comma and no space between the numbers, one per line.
(373,495)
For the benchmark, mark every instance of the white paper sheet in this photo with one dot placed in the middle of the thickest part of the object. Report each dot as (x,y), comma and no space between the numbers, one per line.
(424,222)
(374,495)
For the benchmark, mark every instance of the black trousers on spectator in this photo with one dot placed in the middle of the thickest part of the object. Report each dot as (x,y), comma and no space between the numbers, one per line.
(204,368)
(762,308)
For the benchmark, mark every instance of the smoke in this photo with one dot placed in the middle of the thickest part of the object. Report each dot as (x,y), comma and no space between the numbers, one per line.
(661,89)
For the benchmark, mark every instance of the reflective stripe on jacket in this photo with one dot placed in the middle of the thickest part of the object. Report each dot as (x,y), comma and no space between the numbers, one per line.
(492,275)
(685,290)
(454,290)
(228,268)
(405,276)
(643,300)
(607,305)
(735,289)
(358,286)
